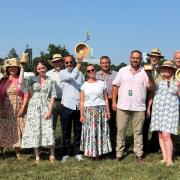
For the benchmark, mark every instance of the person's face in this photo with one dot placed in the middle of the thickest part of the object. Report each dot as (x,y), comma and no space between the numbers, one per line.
(105,64)
(91,72)
(68,62)
(57,65)
(41,69)
(135,59)
(154,60)
(177,59)
(167,72)
(13,70)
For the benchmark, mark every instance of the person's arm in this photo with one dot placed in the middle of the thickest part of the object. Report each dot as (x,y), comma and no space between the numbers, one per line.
(82,106)
(50,107)
(178,86)
(24,105)
(114,97)
(151,86)
(108,114)
(66,76)
(149,104)
(21,76)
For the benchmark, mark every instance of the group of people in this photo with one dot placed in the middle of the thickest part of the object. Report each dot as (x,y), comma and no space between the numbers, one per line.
(98,105)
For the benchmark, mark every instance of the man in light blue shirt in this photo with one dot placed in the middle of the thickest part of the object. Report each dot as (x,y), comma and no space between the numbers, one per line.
(71,80)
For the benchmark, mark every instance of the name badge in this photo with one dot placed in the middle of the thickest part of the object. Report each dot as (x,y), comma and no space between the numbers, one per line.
(130,92)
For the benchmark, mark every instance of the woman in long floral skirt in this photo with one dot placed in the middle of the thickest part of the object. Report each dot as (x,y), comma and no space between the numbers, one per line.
(94,108)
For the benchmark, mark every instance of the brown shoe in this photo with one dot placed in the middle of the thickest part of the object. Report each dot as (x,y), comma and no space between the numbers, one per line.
(139,159)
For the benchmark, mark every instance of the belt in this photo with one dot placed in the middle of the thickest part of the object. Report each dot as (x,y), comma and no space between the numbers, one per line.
(57,99)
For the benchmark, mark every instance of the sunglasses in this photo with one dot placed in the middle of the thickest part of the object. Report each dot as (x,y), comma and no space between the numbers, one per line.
(91,70)
(70,62)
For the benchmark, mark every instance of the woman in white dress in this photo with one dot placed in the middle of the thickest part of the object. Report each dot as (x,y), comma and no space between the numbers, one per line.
(38,130)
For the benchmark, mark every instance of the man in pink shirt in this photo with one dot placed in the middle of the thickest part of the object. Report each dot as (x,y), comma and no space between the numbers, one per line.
(130,87)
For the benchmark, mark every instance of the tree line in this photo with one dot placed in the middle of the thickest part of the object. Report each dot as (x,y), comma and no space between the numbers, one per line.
(48,54)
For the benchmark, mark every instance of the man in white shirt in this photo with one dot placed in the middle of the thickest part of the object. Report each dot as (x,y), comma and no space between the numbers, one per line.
(130,87)
(57,63)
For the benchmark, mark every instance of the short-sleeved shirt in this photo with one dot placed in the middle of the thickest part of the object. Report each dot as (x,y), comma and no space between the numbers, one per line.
(107,79)
(94,93)
(132,89)
(54,75)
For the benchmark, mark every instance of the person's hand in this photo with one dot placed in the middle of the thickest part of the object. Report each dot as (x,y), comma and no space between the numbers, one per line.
(21,111)
(47,115)
(80,58)
(82,119)
(114,106)
(108,115)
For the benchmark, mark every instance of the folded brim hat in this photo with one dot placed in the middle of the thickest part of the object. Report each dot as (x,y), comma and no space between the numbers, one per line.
(168,64)
(154,54)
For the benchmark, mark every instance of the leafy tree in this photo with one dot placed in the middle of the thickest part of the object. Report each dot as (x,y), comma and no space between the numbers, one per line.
(12,53)
(52,49)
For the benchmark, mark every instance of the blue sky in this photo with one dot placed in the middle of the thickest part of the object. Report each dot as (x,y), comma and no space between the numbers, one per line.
(116,26)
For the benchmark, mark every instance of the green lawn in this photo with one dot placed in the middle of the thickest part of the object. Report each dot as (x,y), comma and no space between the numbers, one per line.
(128,168)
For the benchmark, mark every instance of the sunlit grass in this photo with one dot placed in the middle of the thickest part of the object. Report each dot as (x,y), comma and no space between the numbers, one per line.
(128,168)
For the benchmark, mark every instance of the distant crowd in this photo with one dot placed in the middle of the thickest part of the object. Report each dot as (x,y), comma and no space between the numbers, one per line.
(98,106)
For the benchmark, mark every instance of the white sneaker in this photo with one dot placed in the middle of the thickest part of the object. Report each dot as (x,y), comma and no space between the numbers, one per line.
(79,157)
(64,158)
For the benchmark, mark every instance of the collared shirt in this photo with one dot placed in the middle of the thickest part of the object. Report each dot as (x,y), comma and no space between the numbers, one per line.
(54,75)
(70,84)
(107,79)
(132,89)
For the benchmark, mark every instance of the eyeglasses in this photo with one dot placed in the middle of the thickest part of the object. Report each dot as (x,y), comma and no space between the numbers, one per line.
(91,70)
(70,62)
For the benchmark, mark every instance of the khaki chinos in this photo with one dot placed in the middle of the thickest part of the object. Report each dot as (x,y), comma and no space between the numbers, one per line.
(122,119)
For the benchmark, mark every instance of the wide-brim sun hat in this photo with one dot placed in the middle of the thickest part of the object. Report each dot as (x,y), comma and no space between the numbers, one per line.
(156,52)
(168,64)
(56,57)
(12,62)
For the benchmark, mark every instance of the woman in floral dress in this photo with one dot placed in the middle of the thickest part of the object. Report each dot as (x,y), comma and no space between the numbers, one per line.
(94,109)
(13,107)
(38,130)
(165,110)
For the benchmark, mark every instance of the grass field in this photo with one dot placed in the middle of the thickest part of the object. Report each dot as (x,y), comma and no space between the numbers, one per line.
(128,168)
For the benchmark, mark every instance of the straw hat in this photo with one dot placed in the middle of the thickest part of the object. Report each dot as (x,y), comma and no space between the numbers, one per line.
(155,52)
(56,57)
(167,63)
(11,62)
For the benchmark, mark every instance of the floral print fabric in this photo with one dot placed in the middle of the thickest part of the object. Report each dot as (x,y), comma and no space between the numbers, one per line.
(95,138)
(165,109)
(11,126)
(38,131)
